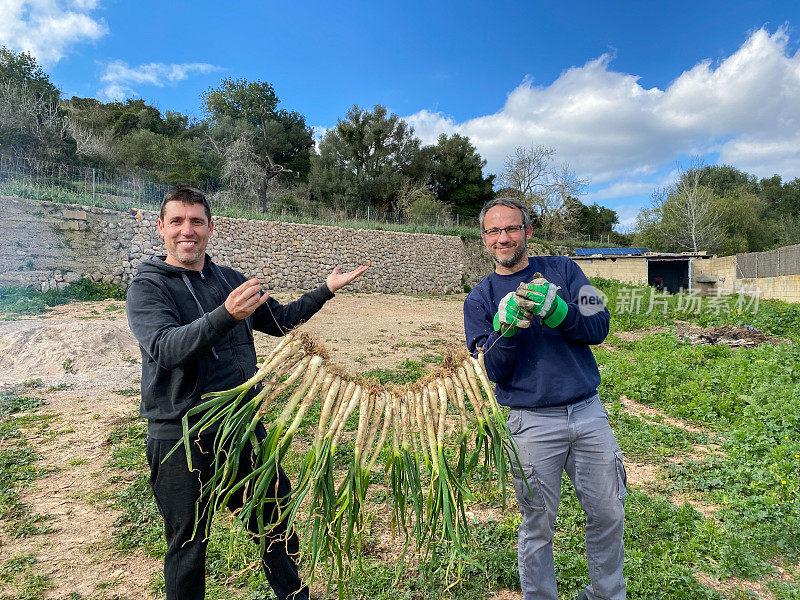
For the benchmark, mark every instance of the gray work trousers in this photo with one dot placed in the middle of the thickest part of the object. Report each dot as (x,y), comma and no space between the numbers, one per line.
(577,439)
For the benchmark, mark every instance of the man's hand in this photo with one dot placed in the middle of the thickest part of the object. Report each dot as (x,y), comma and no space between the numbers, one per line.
(245,299)
(510,316)
(540,298)
(337,281)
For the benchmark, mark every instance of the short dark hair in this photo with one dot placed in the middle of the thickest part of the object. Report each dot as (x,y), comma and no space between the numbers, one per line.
(188,195)
(509,202)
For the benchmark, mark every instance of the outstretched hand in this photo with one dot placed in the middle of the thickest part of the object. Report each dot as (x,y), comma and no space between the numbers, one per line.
(337,280)
(245,299)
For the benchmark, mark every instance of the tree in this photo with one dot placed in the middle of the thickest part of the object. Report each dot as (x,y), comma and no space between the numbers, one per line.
(22,69)
(364,160)
(552,201)
(245,123)
(455,172)
(545,186)
(683,216)
(594,220)
(31,122)
(527,168)
(418,204)
(743,220)
(782,198)
(725,179)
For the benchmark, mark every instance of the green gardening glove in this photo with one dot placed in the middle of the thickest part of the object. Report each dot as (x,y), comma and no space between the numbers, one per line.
(539,297)
(510,316)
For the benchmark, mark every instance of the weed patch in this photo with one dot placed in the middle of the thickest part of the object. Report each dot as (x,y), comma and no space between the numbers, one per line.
(406,372)
(19,467)
(27,301)
(648,442)
(18,573)
(11,402)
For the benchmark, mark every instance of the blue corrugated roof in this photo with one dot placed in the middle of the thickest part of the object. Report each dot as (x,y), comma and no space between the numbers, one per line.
(611,251)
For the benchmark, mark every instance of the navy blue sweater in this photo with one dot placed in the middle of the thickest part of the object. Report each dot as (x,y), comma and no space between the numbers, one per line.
(540,366)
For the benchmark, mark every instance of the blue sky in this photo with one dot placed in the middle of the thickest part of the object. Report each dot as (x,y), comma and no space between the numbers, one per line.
(624,91)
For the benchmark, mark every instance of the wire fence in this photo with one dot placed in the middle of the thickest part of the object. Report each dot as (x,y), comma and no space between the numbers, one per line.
(120,190)
(772,263)
(307,211)
(41,180)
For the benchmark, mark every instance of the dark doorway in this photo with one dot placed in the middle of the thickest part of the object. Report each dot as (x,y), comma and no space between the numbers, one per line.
(672,275)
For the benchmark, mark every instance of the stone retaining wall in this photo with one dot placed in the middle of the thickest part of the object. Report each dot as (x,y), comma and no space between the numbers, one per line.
(48,245)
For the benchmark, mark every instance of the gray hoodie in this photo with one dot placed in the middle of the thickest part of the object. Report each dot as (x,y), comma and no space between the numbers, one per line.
(190,344)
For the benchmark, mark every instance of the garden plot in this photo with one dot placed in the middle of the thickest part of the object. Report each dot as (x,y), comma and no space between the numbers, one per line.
(92,531)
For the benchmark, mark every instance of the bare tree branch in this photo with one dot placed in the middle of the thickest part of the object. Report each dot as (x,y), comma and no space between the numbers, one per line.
(688,217)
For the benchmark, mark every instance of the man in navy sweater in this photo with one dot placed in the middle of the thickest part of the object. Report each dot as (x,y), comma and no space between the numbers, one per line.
(534,318)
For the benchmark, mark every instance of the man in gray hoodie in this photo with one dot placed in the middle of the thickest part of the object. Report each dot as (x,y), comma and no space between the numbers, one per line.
(194,321)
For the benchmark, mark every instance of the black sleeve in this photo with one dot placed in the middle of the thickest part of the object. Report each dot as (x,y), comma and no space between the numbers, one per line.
(154,320)
(277,319)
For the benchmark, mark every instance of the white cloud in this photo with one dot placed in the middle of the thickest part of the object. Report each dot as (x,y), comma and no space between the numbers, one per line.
(622,189)
(48,28)
(120,77)
(626,214)
(615,131)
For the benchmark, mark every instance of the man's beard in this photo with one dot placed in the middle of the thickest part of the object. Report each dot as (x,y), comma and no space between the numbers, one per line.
(192,258)
(513,260)
(187,258)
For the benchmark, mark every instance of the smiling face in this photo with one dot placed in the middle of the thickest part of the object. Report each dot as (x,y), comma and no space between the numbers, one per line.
(509,251)
(185,229)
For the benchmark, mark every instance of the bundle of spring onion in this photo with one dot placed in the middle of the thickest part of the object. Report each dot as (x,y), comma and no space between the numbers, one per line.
(427,474)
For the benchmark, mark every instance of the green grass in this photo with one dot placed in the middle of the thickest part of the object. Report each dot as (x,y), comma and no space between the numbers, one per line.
(232,556)
(648,442)
(19,464)
(407,371)
(751,398)
(19,572)
(11,402)
(27,301)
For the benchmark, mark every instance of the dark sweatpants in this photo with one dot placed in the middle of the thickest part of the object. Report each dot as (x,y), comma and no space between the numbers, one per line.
(176,491)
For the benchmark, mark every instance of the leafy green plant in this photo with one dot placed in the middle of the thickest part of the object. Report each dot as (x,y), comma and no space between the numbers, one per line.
(406,372)
(11,402)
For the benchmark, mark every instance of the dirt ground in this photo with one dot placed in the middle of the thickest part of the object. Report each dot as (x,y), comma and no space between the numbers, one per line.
(89,345)
(88,349)
(86,352)
(735,336)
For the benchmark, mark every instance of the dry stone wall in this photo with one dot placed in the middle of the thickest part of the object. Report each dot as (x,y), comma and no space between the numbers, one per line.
(48,245)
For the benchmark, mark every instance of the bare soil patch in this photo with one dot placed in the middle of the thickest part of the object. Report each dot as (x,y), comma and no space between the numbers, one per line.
(732,587)
(735,336)
(77,555)
(378,331)
(641,475)
(644,475)
(653,415)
